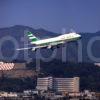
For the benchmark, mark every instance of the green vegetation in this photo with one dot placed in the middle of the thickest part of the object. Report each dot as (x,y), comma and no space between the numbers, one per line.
(15,84)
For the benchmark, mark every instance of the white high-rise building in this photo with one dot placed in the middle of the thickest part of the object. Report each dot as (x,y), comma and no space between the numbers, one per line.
(58,84)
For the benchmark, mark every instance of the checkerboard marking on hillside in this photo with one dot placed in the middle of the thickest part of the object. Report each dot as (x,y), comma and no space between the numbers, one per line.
(6,66)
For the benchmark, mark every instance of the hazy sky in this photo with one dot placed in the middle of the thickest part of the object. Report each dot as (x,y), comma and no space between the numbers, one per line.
(80,15)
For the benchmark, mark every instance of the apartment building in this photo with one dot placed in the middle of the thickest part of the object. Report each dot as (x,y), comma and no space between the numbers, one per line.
(58,84)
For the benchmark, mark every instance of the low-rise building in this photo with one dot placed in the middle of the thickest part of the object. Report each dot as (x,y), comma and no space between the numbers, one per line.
(8,94)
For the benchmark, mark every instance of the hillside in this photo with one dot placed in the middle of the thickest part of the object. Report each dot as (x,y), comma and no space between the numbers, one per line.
(89,75)
(19,71)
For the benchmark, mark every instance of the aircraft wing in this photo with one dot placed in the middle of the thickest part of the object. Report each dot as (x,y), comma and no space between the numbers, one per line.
(28,48)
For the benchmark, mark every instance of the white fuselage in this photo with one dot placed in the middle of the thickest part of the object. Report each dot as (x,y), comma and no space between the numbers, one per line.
(61,38)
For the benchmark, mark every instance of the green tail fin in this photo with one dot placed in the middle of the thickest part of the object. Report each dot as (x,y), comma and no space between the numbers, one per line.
(32,37)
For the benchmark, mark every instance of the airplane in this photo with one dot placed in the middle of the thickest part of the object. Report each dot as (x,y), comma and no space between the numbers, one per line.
(50,42)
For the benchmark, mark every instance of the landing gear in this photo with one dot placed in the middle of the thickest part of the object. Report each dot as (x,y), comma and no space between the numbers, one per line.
(61,46)
(52,48)
(33,49)
(49,47)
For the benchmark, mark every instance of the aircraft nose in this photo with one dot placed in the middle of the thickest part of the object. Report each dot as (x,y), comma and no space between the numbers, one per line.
(79,35)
